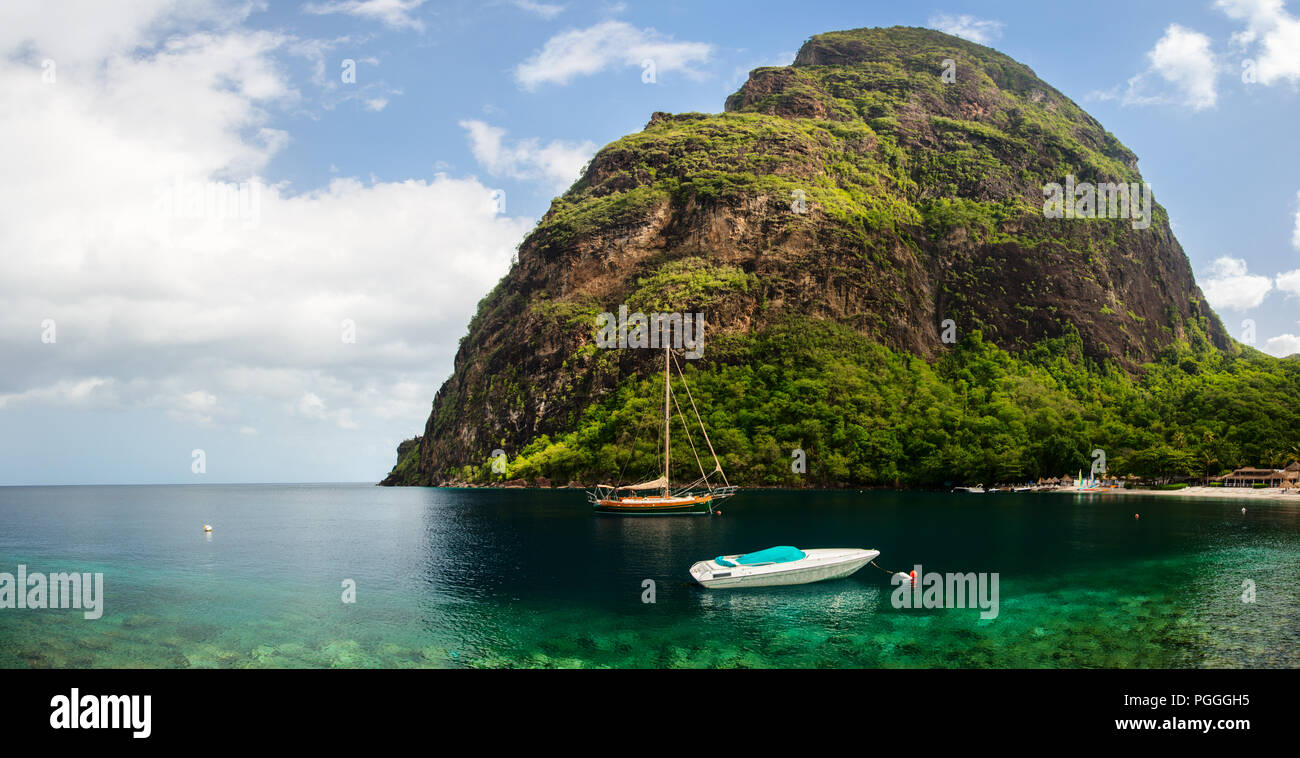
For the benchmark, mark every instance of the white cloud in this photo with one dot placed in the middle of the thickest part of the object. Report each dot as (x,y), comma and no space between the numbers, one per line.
(208,320)
(377,104)
(1184,63)
(967,27)
(557,163)
(1295,234)
(545,10)
(1282,345)
(311,406)
(75,392)
(1230,286)
(394,13)
(1289,282)
(196,407)
(583,52)
(80,31)
(1272,36)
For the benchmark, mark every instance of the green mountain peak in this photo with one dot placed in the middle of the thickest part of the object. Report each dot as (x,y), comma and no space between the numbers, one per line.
(870,233)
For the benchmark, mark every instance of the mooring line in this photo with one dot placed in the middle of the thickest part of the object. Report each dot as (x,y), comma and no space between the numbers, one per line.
(873,563)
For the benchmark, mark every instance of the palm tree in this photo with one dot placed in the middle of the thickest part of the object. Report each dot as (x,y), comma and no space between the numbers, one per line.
(1207,452)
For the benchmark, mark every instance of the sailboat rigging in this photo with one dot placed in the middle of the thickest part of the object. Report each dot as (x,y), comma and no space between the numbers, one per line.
(657,496)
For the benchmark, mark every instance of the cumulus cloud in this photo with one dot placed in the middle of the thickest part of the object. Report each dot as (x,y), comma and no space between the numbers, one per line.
(556,163)
(1230,285)
(1282,345)
(979,30)
(137,220)
(397,14)
(1271,36)
(1289,282)
(609,44)
(1182,71)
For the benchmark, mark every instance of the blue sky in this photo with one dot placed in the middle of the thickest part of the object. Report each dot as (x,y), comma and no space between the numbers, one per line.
(135,334)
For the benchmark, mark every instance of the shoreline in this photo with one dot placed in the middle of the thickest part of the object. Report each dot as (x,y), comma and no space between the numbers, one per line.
(1229,493)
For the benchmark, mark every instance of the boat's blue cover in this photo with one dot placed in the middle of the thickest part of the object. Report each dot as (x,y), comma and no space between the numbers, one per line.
(723,561)
(783,554)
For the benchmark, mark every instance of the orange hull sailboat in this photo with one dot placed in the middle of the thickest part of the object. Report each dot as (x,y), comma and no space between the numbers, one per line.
(657,497)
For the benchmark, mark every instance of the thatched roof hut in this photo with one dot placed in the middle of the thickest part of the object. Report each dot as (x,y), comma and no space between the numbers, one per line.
(1249,477)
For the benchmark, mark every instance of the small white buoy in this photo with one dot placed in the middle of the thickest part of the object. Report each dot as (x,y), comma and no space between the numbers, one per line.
(207,527)
(902,577)
(1243,511)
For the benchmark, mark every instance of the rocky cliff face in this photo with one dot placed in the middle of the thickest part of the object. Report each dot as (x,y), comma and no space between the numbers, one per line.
(860,186)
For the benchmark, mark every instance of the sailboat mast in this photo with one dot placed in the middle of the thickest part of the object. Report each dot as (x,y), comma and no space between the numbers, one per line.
(667,376)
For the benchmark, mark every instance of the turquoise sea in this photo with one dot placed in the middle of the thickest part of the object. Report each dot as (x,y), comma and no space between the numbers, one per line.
(531,578)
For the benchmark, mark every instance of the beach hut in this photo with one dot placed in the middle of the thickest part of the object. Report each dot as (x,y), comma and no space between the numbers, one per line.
(1291,476)
(1249,477)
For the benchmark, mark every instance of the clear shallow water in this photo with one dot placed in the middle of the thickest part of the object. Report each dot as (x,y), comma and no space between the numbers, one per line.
(492,578)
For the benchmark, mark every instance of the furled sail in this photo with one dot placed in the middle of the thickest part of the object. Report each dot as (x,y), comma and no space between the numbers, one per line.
(653,484)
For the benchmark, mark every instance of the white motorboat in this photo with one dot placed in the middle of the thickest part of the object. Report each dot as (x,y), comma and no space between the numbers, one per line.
(976,490)
(777,566)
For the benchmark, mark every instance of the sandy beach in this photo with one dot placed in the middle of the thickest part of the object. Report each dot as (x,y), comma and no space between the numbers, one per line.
(1270,494)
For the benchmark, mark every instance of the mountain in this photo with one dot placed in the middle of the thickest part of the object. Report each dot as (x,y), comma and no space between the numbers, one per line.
(867,234)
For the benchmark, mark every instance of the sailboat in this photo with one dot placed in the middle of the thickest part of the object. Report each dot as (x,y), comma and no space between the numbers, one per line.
(658,497)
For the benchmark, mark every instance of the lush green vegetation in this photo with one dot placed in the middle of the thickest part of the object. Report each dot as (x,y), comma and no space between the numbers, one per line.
(687,283)
(866,415)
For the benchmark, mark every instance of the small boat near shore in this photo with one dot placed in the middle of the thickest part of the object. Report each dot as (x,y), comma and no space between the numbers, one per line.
(976,490)
(783,565)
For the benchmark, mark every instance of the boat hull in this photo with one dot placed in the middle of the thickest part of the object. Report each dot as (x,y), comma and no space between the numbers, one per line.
(819,565)
(688,506)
